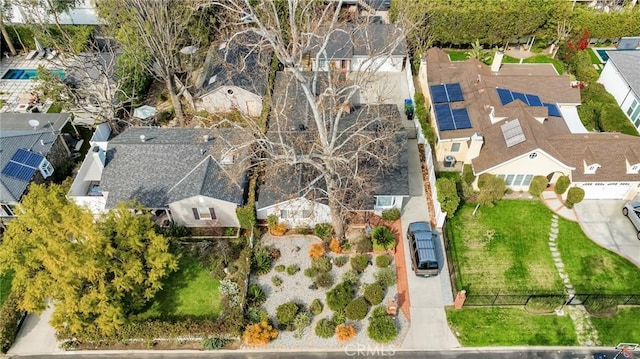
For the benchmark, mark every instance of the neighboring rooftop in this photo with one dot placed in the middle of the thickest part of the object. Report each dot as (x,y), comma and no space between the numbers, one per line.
(353,40)
(628,64)
(172,164)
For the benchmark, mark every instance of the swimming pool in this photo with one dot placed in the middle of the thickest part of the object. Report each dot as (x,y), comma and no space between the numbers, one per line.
(26,74)
(603,53)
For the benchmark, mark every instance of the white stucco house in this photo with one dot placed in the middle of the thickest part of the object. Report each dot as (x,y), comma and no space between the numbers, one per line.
(193,177)
(520,121)
(83,14)
(621,78)
(234,77)
(365,47)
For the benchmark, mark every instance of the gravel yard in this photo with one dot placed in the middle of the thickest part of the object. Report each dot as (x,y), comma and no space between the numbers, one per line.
(294,250)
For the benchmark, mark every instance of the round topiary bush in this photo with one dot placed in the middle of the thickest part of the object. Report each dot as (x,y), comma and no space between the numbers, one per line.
(382,329)
(357,309)
(538,184)
(386,277)
(374,293)
(562,184)
(286,313)
(575,195)
(325,328)
(360,262)
(316,307)
(391,214)
(340,296)
(383,261)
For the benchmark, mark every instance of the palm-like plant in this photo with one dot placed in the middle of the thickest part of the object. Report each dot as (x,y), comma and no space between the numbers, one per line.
(477,52)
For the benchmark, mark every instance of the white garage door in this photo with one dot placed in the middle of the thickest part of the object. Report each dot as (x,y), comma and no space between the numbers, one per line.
(605,190)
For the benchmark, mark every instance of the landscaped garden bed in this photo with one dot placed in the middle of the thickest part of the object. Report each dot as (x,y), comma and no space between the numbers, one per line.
(294,282)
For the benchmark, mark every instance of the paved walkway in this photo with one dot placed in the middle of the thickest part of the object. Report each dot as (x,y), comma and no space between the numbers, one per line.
(36,336)
(585,331)
(404,299)
(429,328)
(552,200)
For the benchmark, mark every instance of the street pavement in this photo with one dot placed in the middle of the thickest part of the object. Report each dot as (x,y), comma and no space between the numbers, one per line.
(36,336)
(429,329)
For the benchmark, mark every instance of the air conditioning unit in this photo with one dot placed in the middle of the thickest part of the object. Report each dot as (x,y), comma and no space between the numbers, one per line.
(449,161)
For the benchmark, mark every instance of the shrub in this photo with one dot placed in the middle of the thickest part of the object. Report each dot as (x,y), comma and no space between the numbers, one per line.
(340,296)
(325,328)
(286,313)
(364,245)
(339,317)
(255,295)
(256,315)
(323,230)
(374,293)
(324,280)
(382,329)
(246,216)
(321,264)
(340,261)
(562,184)
(259,334)
(304,230)
(360,262)
(311,272)
(316,307)
(383,261)
(575,195)
(274,253)
(261,261)
(391,214)
(278,229)
(293,269)
(9,317)
(357,309)
(272,220)
(448,195)
(379,311)
(277,281)
(383,238)
(335,246)
(538,184)
(386,277)
(351,276)
(345,332)
(316,250)
(279,268)
(231,290)
(301,321)
(214,343)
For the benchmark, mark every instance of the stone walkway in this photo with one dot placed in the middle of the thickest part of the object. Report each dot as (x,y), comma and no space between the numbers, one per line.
(586,332)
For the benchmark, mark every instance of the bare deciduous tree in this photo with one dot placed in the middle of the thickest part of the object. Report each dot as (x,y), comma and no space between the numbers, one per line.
(341,152)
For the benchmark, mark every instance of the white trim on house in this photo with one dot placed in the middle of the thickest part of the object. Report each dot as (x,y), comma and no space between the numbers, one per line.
(537,150)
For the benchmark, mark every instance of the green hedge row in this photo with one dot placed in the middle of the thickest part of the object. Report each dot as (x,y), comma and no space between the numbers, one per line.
(10,316)
(423,117)
(23,36)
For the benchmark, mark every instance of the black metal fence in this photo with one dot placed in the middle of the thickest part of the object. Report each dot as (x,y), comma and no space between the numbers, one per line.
(593,300)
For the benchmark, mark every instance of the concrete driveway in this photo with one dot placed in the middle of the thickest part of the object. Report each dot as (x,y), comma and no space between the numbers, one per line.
(604,223)
(36,336)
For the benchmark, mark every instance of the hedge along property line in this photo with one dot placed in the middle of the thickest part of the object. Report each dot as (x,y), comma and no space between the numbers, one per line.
(423,118)
(10,316)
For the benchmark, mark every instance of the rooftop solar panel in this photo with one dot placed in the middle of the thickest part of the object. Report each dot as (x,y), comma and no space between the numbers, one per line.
(19,171)
(553,110)
(534,100)
(461,118)
(28,158)
(454,91)
(439,94)
(505,96)
(520,96)
(444,117)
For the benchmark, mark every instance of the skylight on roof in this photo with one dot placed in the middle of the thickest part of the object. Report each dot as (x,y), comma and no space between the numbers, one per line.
(512,132)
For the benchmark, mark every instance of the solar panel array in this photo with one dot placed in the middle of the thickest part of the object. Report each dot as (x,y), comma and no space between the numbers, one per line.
(22,165)
(512,132)
(451,119)
(508,96)
(446,93)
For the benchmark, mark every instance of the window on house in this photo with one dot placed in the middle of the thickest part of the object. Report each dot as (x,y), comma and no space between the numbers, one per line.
(287,213)
(509,180)
(384,201)
(518,180)
(455,147)
(322,64)
(203,213)
(631,108)
(527,180)
(46,169)
(500,176)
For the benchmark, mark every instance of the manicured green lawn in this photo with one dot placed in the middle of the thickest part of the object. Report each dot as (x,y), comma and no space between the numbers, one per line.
(509,326)
(544,59)
(508,60)
(190,292)
(591,268)
(594,58)
(620,328)
(457,55)
(55,108)
(5,286)
(504,249)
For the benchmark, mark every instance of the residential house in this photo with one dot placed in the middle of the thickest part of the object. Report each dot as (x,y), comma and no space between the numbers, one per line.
(297,194)
(32,147)
(83,13)
(235,77)
(193,177)
(621,78)
(518,121)
(360,47)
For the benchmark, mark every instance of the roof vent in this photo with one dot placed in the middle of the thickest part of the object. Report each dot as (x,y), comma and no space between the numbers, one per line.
(41,142)
(206,138)
(95,149)
(143,138)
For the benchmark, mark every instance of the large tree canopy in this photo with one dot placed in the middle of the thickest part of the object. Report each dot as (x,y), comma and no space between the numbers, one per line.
(96,273)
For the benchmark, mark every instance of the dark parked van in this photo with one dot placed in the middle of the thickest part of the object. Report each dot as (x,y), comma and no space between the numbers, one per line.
(423,249)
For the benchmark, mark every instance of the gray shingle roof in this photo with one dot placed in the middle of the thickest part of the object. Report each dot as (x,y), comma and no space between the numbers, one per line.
(628,64)
(364,40)
(173,164)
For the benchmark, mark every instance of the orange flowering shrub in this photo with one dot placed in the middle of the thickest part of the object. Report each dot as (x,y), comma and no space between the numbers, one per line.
(278,229)
(259,334)
(345,332)
(335,246)
(317,250)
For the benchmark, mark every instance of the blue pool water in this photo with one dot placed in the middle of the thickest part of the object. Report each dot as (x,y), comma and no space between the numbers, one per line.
(603,55)
(26,74)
